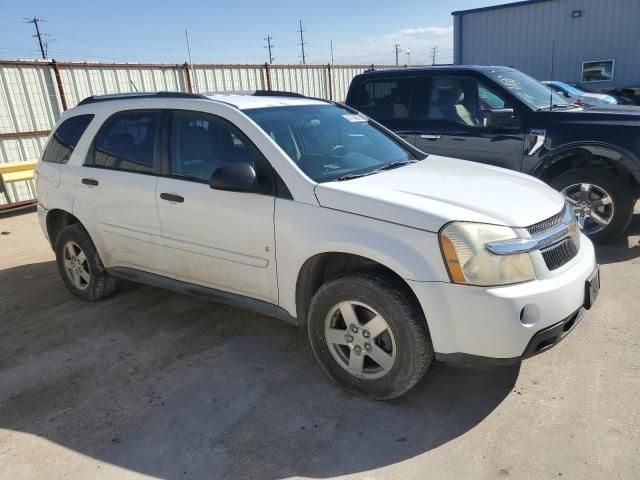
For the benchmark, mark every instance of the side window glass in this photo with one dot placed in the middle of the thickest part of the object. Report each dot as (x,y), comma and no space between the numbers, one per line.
(489,100)
(126,142)
(386,99)
(462,100)
(200,143)
(65,139)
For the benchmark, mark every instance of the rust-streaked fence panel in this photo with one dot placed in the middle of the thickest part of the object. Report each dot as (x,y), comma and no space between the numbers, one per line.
(82,81)
(228,78)
(33,94)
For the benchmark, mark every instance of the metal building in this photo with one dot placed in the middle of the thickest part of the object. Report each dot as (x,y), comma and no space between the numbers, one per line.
(592,42)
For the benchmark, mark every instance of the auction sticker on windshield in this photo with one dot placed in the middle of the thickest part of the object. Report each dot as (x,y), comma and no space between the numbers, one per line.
(354,117)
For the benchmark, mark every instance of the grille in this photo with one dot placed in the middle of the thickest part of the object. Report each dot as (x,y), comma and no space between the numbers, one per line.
(545,224)
(560,253)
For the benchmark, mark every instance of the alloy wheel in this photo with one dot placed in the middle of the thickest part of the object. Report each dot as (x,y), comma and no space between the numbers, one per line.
(76,265)
(360,340)
(592,205)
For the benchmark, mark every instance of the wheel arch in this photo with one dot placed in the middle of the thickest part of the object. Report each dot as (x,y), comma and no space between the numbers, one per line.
(616,160)
(319,268)
(56,220)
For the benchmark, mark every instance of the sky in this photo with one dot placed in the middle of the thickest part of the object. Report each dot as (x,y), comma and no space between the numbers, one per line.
(232,31)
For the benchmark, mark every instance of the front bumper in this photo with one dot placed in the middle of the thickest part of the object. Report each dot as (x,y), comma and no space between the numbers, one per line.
(502,325)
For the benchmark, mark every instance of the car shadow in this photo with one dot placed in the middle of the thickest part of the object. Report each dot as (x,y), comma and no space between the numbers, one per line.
(176,387)
(627,247)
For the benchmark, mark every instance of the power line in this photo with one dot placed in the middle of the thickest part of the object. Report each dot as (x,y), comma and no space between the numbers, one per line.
(268,46)
(304,58)
(396,47)
(434,51)
(43,44)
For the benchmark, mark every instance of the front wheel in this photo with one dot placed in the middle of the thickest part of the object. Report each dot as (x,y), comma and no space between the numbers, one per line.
(603,203)
(368,336)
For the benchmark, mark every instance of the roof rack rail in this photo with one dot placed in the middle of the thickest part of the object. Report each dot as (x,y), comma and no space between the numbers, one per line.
(277,93)
(124,96)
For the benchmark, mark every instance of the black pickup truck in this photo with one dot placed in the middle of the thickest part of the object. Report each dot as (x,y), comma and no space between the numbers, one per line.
(500,116)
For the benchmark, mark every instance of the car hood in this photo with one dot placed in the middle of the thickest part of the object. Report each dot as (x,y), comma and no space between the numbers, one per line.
(437,190)
(601,114)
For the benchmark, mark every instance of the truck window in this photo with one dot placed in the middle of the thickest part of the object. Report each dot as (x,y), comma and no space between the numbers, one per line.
(386,99)
(462,100)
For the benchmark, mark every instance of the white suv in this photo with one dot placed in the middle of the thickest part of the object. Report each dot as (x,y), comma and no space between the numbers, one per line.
(309,211)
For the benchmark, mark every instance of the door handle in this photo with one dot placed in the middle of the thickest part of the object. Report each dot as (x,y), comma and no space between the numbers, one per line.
(92,182)
(170,197)
(431,137)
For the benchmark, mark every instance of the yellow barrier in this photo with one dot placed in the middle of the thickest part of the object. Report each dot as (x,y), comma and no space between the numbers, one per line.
(15,172)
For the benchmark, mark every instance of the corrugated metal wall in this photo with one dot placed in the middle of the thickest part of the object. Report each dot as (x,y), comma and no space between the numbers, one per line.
(31,100)
(522,36)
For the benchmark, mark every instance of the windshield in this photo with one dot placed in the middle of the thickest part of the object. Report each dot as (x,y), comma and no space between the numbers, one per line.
(527,89)
(329,142)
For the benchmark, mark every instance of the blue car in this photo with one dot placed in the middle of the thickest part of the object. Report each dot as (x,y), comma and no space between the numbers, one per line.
(579,96)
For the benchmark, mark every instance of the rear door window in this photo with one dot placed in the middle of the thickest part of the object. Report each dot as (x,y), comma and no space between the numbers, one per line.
(126,141)
(387,99)
(65,138)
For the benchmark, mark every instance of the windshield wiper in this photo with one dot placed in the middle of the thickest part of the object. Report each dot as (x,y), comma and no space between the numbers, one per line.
(351,176)
(388,166)
(392,165)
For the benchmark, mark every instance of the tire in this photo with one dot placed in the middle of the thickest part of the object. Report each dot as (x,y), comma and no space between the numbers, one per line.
(90,281)
(618,214)
(406,341)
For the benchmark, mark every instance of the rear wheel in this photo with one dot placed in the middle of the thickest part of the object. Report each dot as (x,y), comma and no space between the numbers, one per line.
(80,265)
(603,203)
(368,336)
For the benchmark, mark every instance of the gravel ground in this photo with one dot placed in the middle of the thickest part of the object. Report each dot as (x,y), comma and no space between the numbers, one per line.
(154,384)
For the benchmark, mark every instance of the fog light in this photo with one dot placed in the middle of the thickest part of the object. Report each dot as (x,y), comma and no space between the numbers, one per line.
(529,315)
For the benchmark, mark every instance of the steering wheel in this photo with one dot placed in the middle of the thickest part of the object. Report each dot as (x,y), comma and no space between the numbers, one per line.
(338,150)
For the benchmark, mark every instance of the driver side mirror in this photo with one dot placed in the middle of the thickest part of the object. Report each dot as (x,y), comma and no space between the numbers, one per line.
(234,177)
(502,119)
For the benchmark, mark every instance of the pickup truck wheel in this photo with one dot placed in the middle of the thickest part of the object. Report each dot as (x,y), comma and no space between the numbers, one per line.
(80,265)
(602,202)
(368,336)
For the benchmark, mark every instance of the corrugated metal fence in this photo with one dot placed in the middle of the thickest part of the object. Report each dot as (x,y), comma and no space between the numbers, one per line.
(33,94)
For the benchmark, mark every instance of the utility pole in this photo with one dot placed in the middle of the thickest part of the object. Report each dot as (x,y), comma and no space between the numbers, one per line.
(331,52)
(397,50)
(408,52)
(268,46)
(434,51)
(43,45)
(193,73)
(304,58)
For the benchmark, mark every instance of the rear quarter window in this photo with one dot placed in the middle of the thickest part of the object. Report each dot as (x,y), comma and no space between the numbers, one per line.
(65,138)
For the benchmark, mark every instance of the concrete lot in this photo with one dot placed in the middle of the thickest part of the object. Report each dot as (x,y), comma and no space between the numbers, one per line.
(155,384)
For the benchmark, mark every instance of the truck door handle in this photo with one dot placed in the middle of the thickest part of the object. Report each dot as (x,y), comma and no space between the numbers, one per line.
(90,181)
(170,197)
(431,137)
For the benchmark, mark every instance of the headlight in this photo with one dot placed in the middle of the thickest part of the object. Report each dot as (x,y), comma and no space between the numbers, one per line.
(470,262)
